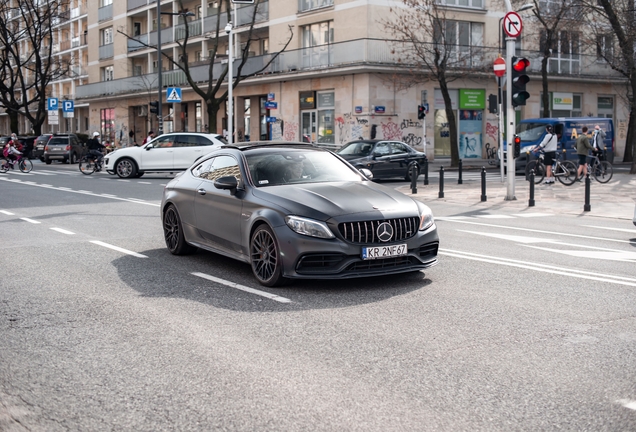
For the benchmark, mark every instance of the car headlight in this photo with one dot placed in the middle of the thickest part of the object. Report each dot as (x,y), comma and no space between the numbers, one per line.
(426,219)
(308,227)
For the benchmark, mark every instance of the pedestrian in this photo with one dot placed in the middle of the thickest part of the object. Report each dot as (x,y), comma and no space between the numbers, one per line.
(131,138)
(549,147)
(597,141)
(149,138)
(583,146)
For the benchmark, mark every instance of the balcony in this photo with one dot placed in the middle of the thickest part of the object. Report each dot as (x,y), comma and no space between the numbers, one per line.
(194,29)
(135,45)
(134,4)
(105,13)
(364,54)
(106,51)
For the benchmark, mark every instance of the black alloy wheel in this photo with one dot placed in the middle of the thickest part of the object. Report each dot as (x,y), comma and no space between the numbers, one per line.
(265,257)
(407,177)
(173,233)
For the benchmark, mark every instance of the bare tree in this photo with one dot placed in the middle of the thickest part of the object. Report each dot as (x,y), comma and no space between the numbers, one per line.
(609,19)
(210,89)
(555,19)
(27,58)
(434,46)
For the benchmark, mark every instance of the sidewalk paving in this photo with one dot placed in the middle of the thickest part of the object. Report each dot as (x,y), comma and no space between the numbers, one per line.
(612,200)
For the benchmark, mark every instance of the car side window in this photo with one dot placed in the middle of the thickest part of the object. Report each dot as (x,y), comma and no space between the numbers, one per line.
(202,141)
(164,142)
(186,141)
(203,168)
(221,166)
(398,148)
(382,149)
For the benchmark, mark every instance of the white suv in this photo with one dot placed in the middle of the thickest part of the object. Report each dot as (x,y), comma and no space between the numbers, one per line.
(166,153)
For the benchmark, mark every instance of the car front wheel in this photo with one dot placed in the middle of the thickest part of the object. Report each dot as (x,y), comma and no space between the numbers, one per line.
(126,168)
(407,177)
(265,257)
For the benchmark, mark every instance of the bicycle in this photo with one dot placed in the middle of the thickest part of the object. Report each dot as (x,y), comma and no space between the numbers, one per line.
(24,165)
(564,171)
(602,170)
(89,163)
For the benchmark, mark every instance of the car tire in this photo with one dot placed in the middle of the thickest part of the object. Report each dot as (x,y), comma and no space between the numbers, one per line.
(126,168)
(48,161)
(173,233)
(265,257)
(72,158)
(407,177)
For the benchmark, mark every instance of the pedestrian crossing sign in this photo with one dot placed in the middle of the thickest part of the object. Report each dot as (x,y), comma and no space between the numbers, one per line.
(173,94)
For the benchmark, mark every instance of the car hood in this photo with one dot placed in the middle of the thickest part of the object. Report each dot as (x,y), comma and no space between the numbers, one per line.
(126,151)
(323,201)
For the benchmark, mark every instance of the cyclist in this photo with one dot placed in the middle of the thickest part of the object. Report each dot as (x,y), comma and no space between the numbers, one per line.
(11,151)
(95,149)
(549,147)
(582,147)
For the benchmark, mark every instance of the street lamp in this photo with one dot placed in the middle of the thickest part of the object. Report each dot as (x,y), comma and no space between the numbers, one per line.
(159,83)
(230,64)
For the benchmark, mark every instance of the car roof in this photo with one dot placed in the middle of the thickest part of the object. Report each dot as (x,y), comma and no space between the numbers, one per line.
(249,145)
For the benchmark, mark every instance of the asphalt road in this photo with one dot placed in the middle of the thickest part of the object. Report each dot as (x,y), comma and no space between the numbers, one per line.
(527,323)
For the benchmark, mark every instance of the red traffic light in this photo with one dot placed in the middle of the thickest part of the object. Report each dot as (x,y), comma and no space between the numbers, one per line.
(517,139)
(521,64)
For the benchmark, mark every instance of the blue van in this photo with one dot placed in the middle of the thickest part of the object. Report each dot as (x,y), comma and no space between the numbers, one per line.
(567,129)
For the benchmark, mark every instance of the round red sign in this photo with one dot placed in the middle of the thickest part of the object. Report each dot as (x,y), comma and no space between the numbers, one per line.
(500,67)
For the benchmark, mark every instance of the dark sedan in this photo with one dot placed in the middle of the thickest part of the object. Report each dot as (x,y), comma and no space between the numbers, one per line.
(295,211)
(384,158)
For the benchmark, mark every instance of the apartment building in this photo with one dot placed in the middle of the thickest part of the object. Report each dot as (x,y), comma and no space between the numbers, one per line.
(337,81)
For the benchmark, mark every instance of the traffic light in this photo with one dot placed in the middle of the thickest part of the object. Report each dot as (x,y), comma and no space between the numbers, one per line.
(421,112)
(492,104)
(519,81)
(154,107)
(517,148)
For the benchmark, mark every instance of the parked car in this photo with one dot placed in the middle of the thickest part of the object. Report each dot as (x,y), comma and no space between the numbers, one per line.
(63,147)
(295,210)
(40,144)
(384,158)
(166,153)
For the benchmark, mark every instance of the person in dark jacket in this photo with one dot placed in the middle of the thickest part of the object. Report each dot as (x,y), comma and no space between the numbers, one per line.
(95,148)
(583,146)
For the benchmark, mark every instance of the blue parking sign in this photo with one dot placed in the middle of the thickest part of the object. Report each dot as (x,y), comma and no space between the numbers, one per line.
(51,104)
(68,106)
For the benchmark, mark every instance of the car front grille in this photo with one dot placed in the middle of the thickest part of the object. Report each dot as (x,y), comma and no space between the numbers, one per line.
(428,251)
(366,232)
(318,263)
(382,264)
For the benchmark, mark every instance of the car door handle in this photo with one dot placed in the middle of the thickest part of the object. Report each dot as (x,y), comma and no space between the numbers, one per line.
(201,191)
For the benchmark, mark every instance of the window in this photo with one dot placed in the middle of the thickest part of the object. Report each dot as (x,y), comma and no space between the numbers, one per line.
(164,142)
(108,73)
(264,46)
(316,39)
(382,149)
(107,118)
(398,148)
(605,106)
(136,29)
(463,3)
(461,38)
(307,5)
(138,70)
(220,166)
(565,55)
(103,3)
(604,47)
(106,36)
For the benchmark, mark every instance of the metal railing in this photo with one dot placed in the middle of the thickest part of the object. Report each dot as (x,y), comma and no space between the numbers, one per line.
(307,5)
(364,53)
(134,45)
(105,13)
(134,4)
(106,51)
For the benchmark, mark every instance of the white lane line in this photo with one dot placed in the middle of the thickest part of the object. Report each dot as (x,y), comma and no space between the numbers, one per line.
(123,180)
(78,192)
(63,231)
(495,216)
(41,173)
(243,288)
(627,403)
(60,172)
(7,213)
(30,220)
(113,247)
(620,280)
(84,191)
(144,183)
(611,229)
(529,215)
(64,188)
(587,237)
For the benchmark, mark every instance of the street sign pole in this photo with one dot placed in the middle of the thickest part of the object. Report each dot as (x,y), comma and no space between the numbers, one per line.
(500,131)
(512,28)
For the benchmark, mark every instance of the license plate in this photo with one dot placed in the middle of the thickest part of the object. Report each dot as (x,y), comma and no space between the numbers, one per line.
(379,252)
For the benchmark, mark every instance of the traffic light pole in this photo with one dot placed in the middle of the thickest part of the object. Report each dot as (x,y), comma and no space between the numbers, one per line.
(500,131)
(510,119)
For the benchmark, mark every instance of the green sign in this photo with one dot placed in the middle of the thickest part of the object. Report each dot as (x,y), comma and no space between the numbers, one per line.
(472,99)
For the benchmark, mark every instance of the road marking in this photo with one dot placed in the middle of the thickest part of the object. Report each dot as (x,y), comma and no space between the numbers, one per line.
(144,183)
(123,180)
(60,172)
(243,288)
(30,220)
(7,213)
(63,231)
(41,173)
(85,191)
(580,274)
(78,192)
(627,403)
(117,248)
(587,237)
(529,215)
(495,216)
(611,229)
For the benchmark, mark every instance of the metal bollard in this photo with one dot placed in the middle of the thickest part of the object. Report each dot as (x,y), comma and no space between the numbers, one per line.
(587,206)
(531,200)
(459,179)
(414,179)
(483,184)
(441,183)
(426,172)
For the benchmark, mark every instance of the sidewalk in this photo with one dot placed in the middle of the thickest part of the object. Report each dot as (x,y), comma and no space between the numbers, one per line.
(612,200)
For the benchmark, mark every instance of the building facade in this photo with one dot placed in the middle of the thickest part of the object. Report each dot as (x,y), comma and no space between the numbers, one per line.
(340,78)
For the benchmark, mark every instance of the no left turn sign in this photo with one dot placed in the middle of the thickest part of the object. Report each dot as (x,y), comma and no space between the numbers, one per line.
(512,24)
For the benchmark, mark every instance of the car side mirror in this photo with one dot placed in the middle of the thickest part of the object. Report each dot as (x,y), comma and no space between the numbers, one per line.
(367,173)
(148,147)
(374,155)
(227,183)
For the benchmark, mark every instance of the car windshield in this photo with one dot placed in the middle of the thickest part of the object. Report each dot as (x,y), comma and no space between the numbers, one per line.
(531,132)
(356,149)
(58,141)
(276,166)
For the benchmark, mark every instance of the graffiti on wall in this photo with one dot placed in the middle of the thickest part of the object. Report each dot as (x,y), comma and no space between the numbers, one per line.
(290,131)
(351,127)
(491,140)
(277,130)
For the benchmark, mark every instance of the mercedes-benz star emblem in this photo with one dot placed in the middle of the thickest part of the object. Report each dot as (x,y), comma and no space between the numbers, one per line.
(385,232)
